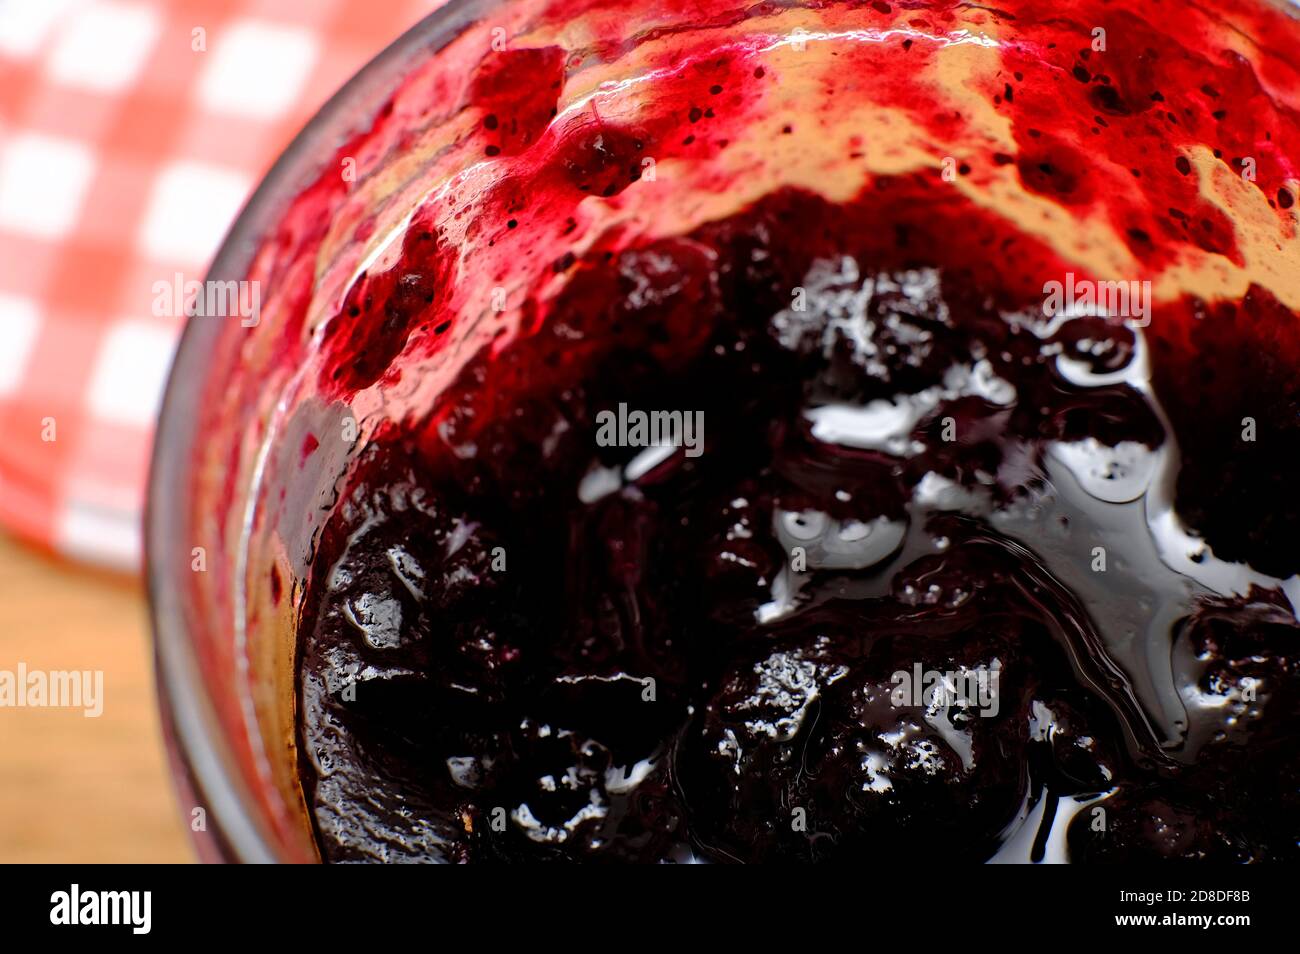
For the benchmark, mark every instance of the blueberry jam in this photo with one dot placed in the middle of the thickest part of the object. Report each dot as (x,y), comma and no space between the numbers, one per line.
(940,568)
(538,647)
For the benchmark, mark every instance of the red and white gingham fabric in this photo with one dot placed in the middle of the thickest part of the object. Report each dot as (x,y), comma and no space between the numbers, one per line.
(131,132)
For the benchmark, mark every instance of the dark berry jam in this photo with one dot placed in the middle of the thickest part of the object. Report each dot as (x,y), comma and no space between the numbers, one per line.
(539,647)
(916,564)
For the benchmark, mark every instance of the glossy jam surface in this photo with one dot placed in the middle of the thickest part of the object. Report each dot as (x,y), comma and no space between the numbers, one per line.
(632,653)
(521,639)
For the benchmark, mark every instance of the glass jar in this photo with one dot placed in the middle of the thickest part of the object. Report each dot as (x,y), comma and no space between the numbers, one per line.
(262,419)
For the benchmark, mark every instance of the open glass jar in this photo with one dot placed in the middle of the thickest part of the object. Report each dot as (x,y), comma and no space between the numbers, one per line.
(444,207)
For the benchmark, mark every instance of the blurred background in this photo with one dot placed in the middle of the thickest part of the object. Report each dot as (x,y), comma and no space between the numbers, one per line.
(131,133)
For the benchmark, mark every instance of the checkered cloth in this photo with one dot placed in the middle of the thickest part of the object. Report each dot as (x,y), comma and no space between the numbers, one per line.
(131,132)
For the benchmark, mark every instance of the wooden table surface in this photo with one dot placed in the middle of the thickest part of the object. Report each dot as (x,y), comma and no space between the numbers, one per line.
(77,789)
